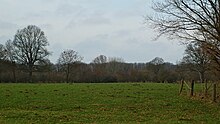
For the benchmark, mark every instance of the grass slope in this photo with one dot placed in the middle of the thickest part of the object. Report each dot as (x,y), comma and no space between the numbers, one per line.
(101,103)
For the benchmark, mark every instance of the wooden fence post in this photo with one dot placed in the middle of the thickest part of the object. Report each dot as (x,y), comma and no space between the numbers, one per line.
(181,86)
(214,95)
(206,87)
(192,88)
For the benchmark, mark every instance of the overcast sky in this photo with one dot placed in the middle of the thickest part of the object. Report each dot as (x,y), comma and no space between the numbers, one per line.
(113,28)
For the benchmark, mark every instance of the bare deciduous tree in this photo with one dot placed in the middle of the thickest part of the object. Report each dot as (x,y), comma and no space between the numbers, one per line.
(116,60)
(2,52)
(157,61)
(9,47)
(155,66)
(30,47)
(191,20)
(67,58)
(198,60)
(100,59)
(10,56)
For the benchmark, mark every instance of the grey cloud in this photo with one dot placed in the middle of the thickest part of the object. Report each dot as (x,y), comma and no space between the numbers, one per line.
(146,51)
(91,27)
(130,50)
(47,26)
(91,49)
(96,21)
(89,20)
(7,25)
(70,10)
(122,33)
(7,31)
(3,39)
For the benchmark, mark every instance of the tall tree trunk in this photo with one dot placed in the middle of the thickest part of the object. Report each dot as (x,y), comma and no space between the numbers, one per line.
(206,88)
(14,75)
(31,73)
(202,76)
(14,71)
(67,73)
(0,76)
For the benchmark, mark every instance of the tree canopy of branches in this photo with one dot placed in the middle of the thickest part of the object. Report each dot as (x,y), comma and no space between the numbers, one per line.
(30,47)
(116,60)
(190,20)
(197,59)
(157,61)
(66,59)
(2,52)
(10,53)
(100,59)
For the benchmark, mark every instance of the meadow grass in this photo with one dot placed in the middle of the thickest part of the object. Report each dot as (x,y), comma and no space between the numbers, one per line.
(102,103)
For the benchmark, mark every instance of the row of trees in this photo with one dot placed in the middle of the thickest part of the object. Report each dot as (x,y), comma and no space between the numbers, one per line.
(70,68)
(25,59)
(109,71)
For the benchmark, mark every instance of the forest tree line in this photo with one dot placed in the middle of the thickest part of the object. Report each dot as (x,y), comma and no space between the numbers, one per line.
(103,72)
(26,59)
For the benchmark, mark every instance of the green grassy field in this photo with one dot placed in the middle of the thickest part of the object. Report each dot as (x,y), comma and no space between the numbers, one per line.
(101,103)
